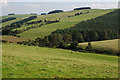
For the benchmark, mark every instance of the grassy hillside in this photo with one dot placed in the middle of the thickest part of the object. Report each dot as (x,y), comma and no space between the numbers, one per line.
(112,44)
(20,61)
(18,16)
(65,22)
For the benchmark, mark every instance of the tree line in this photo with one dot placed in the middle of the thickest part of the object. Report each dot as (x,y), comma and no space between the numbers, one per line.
(7,19)
(7,30)
(77,14)
(39,25)
(34,22)
(82,8)
(55,11)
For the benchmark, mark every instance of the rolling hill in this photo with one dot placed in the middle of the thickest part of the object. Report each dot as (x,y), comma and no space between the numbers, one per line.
(20,61)
(65,22)
(23,61)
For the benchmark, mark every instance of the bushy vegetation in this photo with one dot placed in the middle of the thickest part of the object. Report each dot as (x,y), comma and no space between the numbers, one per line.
(7,29)
(55,11)
(34,22)
(33,13)
(43,13)
(82,8)
(15,32)
(77,14)
(7,19)
(11,14)
(49,22)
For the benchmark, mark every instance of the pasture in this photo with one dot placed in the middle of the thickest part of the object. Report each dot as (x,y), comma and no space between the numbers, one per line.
(20,61)
(110,44)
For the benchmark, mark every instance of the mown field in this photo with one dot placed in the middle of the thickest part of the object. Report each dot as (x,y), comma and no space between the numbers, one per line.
(65,22)
(20,61)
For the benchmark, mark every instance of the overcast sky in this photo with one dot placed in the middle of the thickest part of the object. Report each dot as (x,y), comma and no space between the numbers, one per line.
(63,0)
(40,6)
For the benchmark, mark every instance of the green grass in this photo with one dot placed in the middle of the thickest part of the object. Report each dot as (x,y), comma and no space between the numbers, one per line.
(20,61)
(111,44)
(65,22)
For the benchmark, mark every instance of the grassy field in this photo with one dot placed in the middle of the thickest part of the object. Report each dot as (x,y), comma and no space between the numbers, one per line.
(65,22)
(20,61)
(112,44)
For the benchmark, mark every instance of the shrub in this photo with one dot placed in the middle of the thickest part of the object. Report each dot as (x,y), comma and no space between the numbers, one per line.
(43,13)
(62,45)
(89,47)
(82,8)
(4,41)
(18,36)
(74,45)
(11,14)
(55,11)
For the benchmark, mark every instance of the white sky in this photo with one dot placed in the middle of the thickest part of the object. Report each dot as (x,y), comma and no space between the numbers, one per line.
(62,0)
(46,7)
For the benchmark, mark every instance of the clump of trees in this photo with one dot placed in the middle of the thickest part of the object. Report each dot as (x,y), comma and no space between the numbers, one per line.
(49,22)
(7,30)
(33,13)
(7,19)
(34,22)
(11,14)
(77,14)
(55,11)
(15,32)
(82,8)
(24,20)
(43,13)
